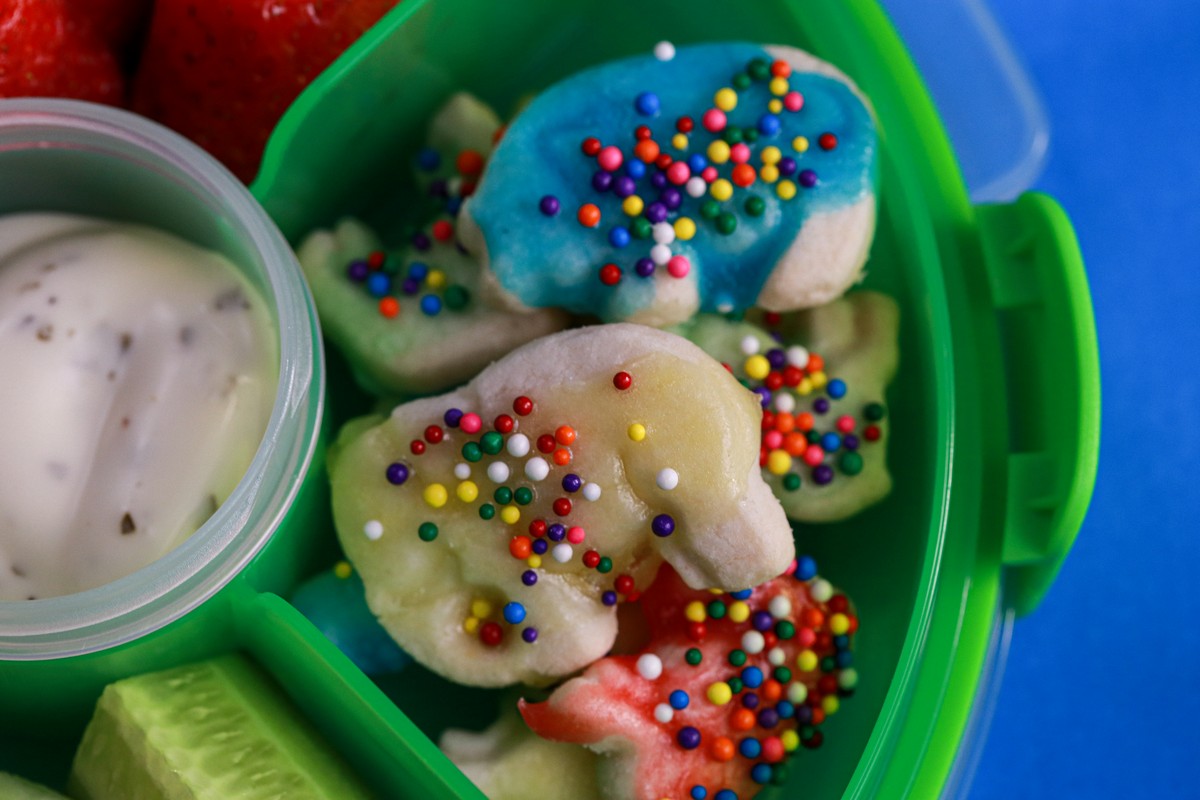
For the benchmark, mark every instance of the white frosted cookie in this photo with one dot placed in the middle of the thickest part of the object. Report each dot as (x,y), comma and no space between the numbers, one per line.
(728,176)
(821,376)
(497,527)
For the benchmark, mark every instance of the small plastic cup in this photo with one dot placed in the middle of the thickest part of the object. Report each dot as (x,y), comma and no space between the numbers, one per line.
(73,157)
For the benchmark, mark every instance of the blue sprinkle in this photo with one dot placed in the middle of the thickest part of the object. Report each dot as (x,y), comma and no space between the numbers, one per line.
(429,159)
(750,747)
(431,304)
(836,388)
(844,659)
(806,568)
(761,773)
(453,205)
(841,641)
(679,699)
(417,270)
(830,442)
(784,709)
(379,284)
(697,163)
(752,677)
(635,168)
(769,125)
(726,794)
(699,792)
(619,236)
(514,613)
(743,594)
(646,104)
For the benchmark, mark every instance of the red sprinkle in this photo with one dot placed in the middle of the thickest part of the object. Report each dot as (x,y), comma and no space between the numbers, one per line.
(417,446)
(590,146)
(642,132)
(443,230)
(610,274)
(538,527)
(523,406)
(590,559)
(562,506)
(623,584)
(684,124)
(504,423)
(545,443)
(622,380)
(827,141)
(375,259)
(433,434)
(469,162)
(491,634)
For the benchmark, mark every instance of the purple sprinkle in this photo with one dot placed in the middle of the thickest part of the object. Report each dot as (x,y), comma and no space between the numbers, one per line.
(787,165)
(659,180)
(850,442)
(556,532)
(452,417)
(808,178)
(776,358)
(656,212)
(822,474)
(421,241)
(529,577)
(540,546)
(821,405)
(768,718)
(609,598)
(410,286)
(671,197)
(762,621)
(644,267)
(663,525)
(397,473)
(688,737)
(571,482)
(438,188)
(804,715)
(750,700)
(357,271)
(602,181)
(764,395)
(529,634)
(549,205)
(624,186)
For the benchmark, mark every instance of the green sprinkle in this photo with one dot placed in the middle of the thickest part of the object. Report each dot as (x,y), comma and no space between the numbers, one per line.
(710,208)
(492,442)
(726,223)
(791,481)
(523,496)
(487,511)
(741,81)
(750,135)
(737,657)
(813,437)
(427,531)
(641,228)
(391,265)
(471,451)
(874,412)
(733,135)
(755,205)
(851,463)
(807,732)
(828,664)
(605,564)
(758,69)
(457,297)
(782,674)
(785,629)
(503,495)
(716,609)
(693,656)
(735,684)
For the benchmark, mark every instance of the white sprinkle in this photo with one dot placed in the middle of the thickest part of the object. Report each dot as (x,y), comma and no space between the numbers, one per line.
(696,186)
(821,590)
(649,666)
(454,186)
(664,232)
(797,693)
(664,713)
(498,471)
(780,606)
(664,51)
(591,491)
(797,356)
(660,254)
(373,529)
(667,479)
(753,642)
(462,471)
(776,656)
(562,552)
(518,445)
(536,469)
(848,678)
(725,306)
(785,402)
(750,345)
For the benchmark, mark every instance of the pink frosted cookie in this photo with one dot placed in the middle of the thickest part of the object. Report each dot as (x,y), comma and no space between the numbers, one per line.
(727,687)
(497,527)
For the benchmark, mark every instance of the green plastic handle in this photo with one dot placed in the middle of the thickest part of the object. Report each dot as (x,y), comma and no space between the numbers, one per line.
(1052,365)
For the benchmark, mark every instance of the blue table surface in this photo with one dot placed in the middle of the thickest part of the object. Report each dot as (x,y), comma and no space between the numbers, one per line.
(1100,697)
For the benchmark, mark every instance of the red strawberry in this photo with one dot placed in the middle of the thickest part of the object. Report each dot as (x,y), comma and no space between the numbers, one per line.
(222,72)
(47,50)
(116,22)
(727,687)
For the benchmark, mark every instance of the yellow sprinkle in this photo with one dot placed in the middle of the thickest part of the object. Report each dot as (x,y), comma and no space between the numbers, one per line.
(839,624)
(717,591)
(695,611)
(800,144)
(778,86)
(685,228)
(830,703)
(739,611)
(818,379)
(725,99)
(637,431)
(769,173)
(436,279)
(804,387)
(510,515)
(790,740)
(775,106)
(481,608)
(786,190)
(721,189)
(436,495)
(471,624)
(719,693)
(342,569)
(757,367)
(718,151)
(806,661)
(534,561)
(771,155)
(779,462)
(632,206)
(467,491)
(679,141)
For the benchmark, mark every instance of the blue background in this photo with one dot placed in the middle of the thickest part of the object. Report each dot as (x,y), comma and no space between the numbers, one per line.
(1101,697)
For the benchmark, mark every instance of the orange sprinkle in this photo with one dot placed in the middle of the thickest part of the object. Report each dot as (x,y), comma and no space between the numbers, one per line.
(469,162)
(721,749)
(804,421)
(646,150)
(743,175)
(565,435)
(589,215)
(771,690)
(785,422)
(818,716)
(562,457)
(815,364)
(520,547)
(781,68)
(389,307)
(812,618)
(795,444)
(742,719)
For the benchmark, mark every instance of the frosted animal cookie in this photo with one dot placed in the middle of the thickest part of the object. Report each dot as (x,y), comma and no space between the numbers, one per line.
(821,375)
(727,688)
(651,188)
(495,528)
(411,321)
